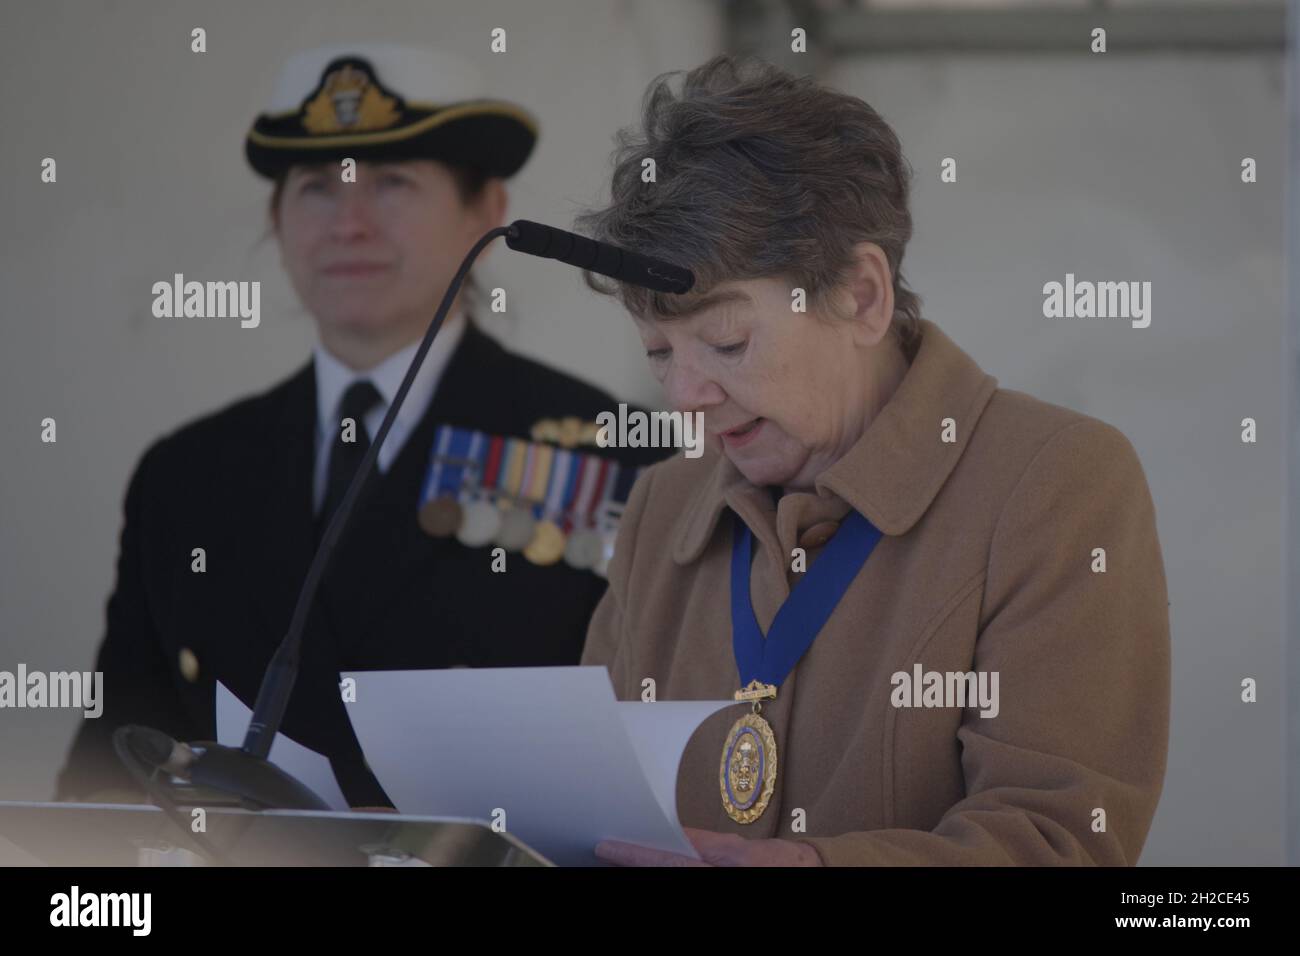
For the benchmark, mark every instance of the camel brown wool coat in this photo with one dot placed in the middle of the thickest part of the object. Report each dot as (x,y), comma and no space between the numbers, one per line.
(990,562)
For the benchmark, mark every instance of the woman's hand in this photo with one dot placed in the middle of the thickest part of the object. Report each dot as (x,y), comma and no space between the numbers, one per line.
(716,849)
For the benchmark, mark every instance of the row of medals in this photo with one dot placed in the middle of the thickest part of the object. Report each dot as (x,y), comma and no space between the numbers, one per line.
(478,518)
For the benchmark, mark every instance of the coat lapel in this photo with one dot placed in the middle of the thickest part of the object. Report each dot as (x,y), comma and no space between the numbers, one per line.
(283,525)
(283,509)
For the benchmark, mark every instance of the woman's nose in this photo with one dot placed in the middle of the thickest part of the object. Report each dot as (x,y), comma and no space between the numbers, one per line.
(352,213)
(687,390)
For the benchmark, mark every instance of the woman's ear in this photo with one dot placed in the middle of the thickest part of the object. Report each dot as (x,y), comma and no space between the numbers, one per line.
(492,203)
(488,212)
(871,285)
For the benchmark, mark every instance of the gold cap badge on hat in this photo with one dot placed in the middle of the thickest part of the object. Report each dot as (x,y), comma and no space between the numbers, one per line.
(350,99)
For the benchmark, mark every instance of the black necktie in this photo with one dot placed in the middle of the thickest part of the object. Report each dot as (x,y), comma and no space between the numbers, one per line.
(345,456)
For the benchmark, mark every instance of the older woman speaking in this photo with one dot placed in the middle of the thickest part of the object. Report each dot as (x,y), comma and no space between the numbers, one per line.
(940,605)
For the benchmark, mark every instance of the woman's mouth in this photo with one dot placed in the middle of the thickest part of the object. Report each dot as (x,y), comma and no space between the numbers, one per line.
(355,270)
(742,435)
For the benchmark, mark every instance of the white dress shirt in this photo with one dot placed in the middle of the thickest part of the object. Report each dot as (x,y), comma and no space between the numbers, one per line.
(333,379)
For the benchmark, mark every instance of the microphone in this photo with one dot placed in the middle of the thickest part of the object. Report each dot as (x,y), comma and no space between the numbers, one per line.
(245,772)
(617,263)
(211,767)
(155,749)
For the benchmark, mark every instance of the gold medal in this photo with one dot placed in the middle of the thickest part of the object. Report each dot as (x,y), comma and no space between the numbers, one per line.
(747,775)
(547,545)
(440,517)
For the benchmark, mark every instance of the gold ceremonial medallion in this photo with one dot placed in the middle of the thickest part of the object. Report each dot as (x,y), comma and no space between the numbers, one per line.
(440,517)
(547,545)
(747,775)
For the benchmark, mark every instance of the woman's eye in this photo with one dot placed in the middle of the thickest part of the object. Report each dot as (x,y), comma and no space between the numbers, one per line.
(311,186)
(657,355)
(394,180)
(734,349)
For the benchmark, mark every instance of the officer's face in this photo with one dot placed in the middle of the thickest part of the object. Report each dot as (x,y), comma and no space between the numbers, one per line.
(373,258)
(784,394)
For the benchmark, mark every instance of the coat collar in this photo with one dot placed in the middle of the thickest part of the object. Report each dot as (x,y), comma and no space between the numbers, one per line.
(333,378)
(896,469)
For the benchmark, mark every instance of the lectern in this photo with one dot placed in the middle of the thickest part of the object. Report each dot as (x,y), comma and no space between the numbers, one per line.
(93,834)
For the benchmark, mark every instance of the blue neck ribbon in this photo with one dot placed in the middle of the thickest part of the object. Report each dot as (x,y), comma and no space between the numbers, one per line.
(801,617)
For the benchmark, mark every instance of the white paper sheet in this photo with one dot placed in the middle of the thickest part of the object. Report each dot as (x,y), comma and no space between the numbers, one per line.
(305,765)
(659,733)
(550,747)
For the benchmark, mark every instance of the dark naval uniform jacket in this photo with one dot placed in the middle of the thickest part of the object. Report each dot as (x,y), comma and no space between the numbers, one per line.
(238,484)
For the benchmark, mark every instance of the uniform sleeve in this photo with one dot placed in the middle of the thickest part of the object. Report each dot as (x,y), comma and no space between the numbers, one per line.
(1084,664)
(138,683)
(606,632)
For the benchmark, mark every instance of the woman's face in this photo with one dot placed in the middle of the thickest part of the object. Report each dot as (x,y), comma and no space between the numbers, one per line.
(373,258)
(784,394)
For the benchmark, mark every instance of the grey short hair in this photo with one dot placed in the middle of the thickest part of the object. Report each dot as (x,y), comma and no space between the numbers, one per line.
(759,174)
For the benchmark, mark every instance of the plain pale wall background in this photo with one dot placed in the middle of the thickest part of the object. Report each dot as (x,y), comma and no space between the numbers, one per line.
(1113,168)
